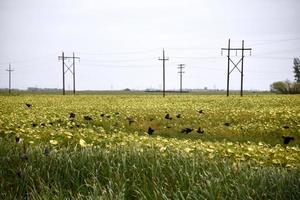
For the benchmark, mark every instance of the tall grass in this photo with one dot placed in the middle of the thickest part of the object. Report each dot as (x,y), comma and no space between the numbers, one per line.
(126,173)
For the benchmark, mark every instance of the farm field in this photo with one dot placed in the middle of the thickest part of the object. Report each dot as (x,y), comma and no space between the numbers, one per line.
(148,147)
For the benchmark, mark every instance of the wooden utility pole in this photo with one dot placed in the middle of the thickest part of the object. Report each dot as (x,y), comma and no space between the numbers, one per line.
(228,67)
(72,71)
(181,67)
(242,68)
(9,78)
(229,60)
(164,77)
(63,72)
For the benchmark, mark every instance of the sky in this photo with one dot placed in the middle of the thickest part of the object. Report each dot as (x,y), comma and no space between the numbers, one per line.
(119,42)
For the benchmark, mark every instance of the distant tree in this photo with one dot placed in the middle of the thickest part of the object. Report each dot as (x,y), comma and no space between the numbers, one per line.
(297,69)
(127,90)
(285,87)
(280,87)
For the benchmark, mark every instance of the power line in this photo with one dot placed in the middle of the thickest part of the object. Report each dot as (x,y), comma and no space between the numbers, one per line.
(267,42)
(272,58)
(297,49)
(115,61)
(120,53)
(121,66)
(203,57)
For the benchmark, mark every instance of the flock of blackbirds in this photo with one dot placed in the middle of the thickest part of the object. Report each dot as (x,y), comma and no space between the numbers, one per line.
(150,131)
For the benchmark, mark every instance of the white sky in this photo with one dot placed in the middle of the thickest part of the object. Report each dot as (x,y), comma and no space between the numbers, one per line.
(119,42)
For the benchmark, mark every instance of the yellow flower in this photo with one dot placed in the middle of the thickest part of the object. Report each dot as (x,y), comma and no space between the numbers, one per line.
(82,143)
(54,142)
(162,149)
(188,150)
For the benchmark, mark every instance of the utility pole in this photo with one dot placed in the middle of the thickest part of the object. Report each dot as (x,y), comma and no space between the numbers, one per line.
(9,78)
(181,67)
(72,71)
(164,78)
(229,60)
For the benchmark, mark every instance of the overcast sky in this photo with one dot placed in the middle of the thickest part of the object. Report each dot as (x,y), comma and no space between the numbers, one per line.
(119,42)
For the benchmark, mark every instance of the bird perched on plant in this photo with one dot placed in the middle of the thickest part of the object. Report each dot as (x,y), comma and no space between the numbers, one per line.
(186,130)
(200,130)
(28,105)
(150,131)
(227,124)
(88,118)
(46,151)
(287,139)
(130,120)
(168,116)
(72,115)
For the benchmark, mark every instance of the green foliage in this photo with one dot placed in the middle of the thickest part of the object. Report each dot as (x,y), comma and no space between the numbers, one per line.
(45,154)
(296,69)
(127,173)
(285,87)
(280,86)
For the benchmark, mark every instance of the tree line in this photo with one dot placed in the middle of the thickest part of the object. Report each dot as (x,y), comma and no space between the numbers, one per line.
(289,87)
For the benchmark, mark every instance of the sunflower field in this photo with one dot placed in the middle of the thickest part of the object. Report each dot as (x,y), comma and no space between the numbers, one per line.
(141,146)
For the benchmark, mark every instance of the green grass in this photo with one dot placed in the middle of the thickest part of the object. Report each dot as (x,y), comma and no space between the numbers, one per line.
(95,173)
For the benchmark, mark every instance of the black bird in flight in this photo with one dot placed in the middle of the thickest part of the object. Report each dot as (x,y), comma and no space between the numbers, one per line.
(168,116)
(178,115)
(150,131)
(200,111)
(186,130)
(287,139)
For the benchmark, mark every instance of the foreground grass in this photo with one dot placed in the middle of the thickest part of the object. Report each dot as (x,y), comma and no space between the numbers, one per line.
(128,172)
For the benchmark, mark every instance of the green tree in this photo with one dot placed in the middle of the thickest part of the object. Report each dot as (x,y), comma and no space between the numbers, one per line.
(297,69)
(285,87)
(280,87)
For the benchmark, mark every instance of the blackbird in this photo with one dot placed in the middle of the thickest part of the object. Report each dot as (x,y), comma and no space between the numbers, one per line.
(200,130)
(71,115)
(168,116)
(150,131)
(287,139)
(88,118)
(186,130)
(28,105)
